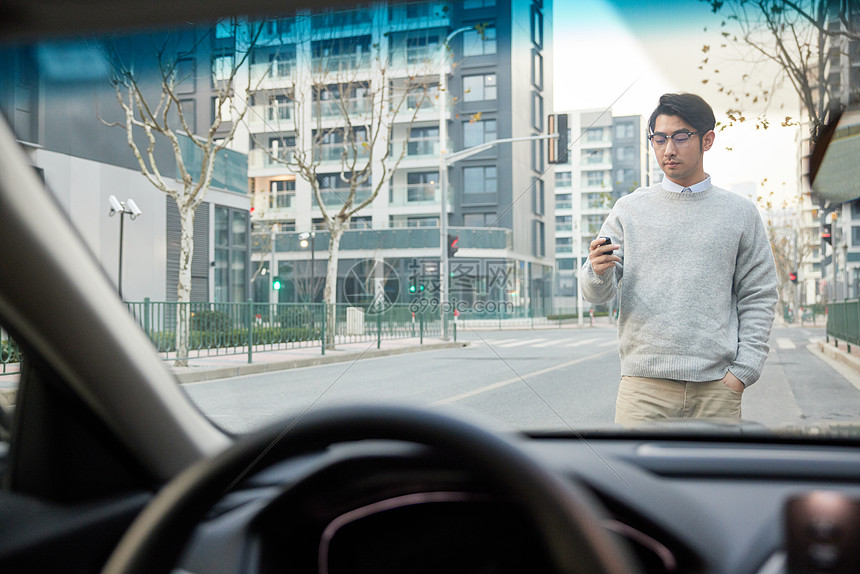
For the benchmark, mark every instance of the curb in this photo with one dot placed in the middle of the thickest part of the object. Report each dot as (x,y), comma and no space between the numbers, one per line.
(840,354)
(215,373)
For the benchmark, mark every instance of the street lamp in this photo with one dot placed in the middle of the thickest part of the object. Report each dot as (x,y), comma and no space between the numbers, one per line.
(304,237)
(131,209)
(443,175)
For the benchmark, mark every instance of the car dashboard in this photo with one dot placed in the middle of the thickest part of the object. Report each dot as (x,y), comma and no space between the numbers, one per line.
(682,506)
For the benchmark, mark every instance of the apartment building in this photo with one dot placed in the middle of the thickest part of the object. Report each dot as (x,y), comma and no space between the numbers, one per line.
(608,158)
(833,273)
(58,99)
(497,67)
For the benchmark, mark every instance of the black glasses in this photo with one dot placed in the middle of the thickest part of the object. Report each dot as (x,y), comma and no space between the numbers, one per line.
(679,138)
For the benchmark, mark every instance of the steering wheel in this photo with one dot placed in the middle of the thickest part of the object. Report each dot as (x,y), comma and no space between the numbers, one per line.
(566,518)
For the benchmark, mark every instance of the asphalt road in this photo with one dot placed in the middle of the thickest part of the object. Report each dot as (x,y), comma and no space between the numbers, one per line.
(529,379)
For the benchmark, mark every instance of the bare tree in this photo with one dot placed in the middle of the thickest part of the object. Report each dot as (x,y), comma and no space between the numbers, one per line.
(156,112)
(342,105)
(307,284)
(799,36)
(792,246)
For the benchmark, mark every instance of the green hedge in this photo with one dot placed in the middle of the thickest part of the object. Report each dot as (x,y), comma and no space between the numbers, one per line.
(165,341)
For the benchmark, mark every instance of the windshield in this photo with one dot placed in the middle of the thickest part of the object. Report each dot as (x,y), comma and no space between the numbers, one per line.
(482,204)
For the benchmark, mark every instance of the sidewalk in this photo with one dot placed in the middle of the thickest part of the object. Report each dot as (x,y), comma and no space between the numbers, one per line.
(225,366)
(838,351)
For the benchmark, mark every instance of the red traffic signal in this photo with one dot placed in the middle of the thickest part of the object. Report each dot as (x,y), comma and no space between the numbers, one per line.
(826,233)
(792,276)
(453,246)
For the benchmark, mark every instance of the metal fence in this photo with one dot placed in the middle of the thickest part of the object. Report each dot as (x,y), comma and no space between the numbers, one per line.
(214,329)
(843,322)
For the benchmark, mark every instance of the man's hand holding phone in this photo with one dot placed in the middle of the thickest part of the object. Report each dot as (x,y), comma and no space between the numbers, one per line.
(601,254)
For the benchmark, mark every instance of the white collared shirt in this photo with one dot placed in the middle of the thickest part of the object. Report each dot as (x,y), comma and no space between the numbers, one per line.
(670,185)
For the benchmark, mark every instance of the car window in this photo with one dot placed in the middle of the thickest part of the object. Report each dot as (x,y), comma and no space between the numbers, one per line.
(398,202)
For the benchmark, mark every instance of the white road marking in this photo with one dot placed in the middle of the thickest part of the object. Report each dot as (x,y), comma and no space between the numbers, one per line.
(582,342)
(552,342)
(785,343)
(520,343)
(519,379)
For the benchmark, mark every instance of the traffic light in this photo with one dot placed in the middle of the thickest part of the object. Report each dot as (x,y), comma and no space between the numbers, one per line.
(826,230)
(557,152)
(416,287)
(276,283)
(792,276)
(453,244)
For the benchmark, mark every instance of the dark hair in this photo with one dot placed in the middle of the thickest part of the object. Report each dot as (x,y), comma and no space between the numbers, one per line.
(689,107)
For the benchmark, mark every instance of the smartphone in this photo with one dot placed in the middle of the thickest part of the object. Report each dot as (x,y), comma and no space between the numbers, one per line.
(606,241)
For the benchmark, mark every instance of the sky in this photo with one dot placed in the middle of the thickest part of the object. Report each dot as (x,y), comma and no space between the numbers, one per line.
(628,54)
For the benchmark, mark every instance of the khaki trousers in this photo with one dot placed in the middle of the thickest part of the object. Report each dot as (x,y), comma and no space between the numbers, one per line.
(643,399)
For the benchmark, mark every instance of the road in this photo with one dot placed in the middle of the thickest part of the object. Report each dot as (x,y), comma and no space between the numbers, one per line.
(529,379)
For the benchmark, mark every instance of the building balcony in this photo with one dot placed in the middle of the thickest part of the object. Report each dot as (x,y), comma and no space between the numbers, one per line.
(276,71)
(337,197)
(415,195)
(271,118)
(259,159)
(347,64)
(340,108)
(339,151)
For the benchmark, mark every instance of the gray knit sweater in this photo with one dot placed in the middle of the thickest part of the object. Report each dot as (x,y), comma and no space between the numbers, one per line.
(699,285)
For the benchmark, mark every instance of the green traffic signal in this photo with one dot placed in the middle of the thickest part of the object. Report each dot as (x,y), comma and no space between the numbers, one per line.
(412,288)
(276,283)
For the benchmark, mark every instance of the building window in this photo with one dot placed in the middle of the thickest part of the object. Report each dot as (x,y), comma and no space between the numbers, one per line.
(476,133)
(563,201)
(855,209)
(222,67)
(360,222)
(222,111)
(537,26)
(537,111)
(538,239)
(421,48)
(538,196)
(476,45)
(479,88)
(537,69)
(480,179)
(855,236)
(538,147)
(563,179)
(625,176)
(595,178)
(624,131)
(185,76)
(231,254)
(473,4)
(626,153)
(423,141)
(479,219)
(283,193)
(421,186)
(422,222)
(593,134)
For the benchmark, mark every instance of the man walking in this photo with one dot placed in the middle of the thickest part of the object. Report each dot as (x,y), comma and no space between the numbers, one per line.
(699,284)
